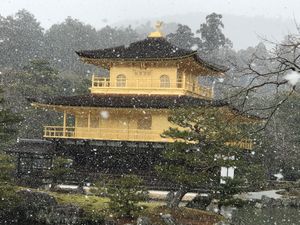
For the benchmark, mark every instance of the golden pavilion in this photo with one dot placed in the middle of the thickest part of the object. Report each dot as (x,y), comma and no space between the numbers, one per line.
(117,127)
(146,79)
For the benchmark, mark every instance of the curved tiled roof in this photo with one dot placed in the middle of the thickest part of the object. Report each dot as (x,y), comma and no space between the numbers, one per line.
(138,102)
(130,101)
(147,49)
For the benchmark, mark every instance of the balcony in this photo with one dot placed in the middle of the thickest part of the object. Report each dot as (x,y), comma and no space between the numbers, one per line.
(104,134)
(243,144)
(149,86)
(121,135)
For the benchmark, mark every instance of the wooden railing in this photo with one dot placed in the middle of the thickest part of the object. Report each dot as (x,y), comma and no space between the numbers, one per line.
(243,144)
(98,82)
(106,85)
(121,135)
(59,131)
(201,90)
(104,134)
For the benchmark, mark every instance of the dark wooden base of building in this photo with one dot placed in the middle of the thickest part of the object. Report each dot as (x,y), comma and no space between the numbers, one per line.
(91,160)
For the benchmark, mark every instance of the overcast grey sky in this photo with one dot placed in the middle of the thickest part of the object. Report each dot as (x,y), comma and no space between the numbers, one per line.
(271,19)
(97,12)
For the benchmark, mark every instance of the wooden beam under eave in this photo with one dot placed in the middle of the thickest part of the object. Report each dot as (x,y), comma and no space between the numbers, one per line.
(56,108)
(188,62)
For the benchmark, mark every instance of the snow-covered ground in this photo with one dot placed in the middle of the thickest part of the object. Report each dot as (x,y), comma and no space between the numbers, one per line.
(259,194)
(250,195)
(161,195)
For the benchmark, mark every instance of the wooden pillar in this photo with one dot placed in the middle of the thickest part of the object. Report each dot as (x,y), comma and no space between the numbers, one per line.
(65,123)
(183,80)
(89,120)
(93,80)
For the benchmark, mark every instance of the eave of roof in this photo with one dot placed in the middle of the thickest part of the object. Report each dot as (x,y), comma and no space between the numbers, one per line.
(136,102)
(150,49)
(128,101)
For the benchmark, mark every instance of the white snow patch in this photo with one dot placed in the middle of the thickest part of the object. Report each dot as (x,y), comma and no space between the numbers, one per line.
(63,186)
(194,47)
(259,194)
(278,176)
(293,77)
(104,114)
(221,80)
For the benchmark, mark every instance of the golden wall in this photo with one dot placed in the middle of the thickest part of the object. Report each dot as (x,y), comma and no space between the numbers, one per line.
(114,124)
(148,80)
(138,77)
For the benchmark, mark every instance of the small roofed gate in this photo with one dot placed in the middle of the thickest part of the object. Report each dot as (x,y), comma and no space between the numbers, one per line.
(33,160)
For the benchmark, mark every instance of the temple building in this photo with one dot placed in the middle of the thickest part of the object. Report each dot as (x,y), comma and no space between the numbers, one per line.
(145,80)
(127,111)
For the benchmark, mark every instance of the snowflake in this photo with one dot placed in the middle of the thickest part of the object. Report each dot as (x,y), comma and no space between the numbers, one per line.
(194,47)
(104,114)
(293,77)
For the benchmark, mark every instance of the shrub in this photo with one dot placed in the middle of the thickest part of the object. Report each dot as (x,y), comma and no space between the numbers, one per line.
(125,193)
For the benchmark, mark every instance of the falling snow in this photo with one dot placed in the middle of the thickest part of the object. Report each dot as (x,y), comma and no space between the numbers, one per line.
(24,44)
(293,77)
(195,47)
(104,114)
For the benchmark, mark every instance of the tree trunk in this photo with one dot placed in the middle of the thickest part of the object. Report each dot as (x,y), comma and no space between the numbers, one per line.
(54,183)
(174,201)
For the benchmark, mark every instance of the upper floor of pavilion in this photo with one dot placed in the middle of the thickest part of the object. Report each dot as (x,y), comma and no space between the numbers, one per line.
(151,66)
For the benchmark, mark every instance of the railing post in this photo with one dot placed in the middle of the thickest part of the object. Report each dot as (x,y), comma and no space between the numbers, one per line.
(183,81)
(89,120)
(65,123)
(93,80)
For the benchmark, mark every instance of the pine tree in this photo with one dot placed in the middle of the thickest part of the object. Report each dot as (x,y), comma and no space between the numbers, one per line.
(8,129)
(184,38)
(201,148)
(125,193)
(211,33)
(8,121)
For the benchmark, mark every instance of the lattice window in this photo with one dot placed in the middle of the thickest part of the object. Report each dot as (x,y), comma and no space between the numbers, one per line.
(164,81)
(144,122)
(121,80)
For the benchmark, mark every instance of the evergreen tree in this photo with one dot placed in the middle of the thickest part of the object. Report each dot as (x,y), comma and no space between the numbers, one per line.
(21,39)
(8,121)
(184,38)
(211,33)
(63,39)
(110,37)
(283,133)
(201,148)
(125,193)
(37,80)
(8,130)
